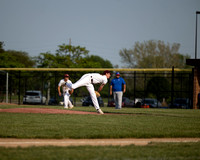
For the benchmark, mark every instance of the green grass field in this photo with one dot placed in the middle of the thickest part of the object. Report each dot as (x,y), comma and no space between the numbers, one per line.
(155,151)
(137,123)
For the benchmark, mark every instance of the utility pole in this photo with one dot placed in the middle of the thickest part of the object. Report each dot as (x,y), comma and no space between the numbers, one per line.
(197,12)
(70,48)
(70,41)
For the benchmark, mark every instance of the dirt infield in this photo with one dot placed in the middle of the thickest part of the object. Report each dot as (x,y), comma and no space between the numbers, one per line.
(54,111)
(11,142)
(44,111)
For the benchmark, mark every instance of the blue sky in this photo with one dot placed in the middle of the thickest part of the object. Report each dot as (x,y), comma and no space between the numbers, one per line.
(102,26)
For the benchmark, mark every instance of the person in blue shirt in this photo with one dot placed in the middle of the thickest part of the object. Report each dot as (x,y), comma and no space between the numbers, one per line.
(117,88)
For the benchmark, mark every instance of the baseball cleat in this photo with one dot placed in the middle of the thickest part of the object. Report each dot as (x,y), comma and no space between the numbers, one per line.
(100,111)
(65,107)
(71,107)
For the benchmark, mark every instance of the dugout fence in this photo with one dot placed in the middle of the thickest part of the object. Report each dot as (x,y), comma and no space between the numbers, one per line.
(165,85)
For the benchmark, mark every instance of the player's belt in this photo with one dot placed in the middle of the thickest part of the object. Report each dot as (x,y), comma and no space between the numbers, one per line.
(91,80)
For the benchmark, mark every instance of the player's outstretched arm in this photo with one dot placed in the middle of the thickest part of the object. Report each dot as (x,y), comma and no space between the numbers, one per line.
(124,88)
(101,87)
(110,89)
(59,91)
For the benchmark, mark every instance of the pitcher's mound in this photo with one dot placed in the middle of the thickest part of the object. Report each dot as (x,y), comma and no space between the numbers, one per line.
(44,111)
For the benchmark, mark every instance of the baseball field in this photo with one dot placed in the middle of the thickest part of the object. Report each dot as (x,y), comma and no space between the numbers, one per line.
(51,132)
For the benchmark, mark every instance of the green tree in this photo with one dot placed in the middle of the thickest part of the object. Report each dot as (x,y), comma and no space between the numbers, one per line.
(94,61)
(153,54)
(15,59)
(1,47)
(68,56)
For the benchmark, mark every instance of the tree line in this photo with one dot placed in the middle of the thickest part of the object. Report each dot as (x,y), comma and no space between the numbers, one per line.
(66,56)
(147,54)
(153,54)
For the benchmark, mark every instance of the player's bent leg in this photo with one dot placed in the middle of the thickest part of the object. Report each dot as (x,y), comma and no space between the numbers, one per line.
(84,81)
(70,105)
(91,90)
(66,100)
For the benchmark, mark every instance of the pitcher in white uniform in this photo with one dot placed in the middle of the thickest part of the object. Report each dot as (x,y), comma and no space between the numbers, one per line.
(88,80)
(66,91)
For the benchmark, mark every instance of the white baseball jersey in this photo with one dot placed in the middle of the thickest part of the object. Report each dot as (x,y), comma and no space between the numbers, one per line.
(87,79)
(97,78)
(64,87)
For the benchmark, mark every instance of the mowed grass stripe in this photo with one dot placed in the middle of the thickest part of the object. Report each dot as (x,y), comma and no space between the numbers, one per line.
(141,123)
(166,151)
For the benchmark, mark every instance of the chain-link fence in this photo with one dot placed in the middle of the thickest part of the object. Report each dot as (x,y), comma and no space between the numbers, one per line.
(171,88)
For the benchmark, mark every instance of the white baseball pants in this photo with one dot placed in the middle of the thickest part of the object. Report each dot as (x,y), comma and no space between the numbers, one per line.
(118,99)
(67,102)
(85,80)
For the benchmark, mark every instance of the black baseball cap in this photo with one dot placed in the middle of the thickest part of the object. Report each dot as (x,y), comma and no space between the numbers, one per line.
(106,71)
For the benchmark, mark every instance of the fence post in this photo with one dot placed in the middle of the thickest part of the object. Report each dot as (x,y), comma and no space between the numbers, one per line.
(134,85)
(191,89)
(109,91)
(55,85)
(10,87)
(19,87)
(172,87)
(42,87)
(145,85)
(181,85)
(6,87)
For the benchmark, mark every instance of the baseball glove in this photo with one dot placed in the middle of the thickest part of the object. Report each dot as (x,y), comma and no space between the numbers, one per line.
(97,94)
(70,91)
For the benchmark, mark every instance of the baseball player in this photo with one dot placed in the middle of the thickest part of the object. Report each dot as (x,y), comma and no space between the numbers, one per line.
(66,91)
(88,80)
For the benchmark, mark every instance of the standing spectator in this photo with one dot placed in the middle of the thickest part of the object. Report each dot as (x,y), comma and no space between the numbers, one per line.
(66,91)
(117,88)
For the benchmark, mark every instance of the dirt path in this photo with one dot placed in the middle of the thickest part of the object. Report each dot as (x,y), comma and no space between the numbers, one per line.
(11,142)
